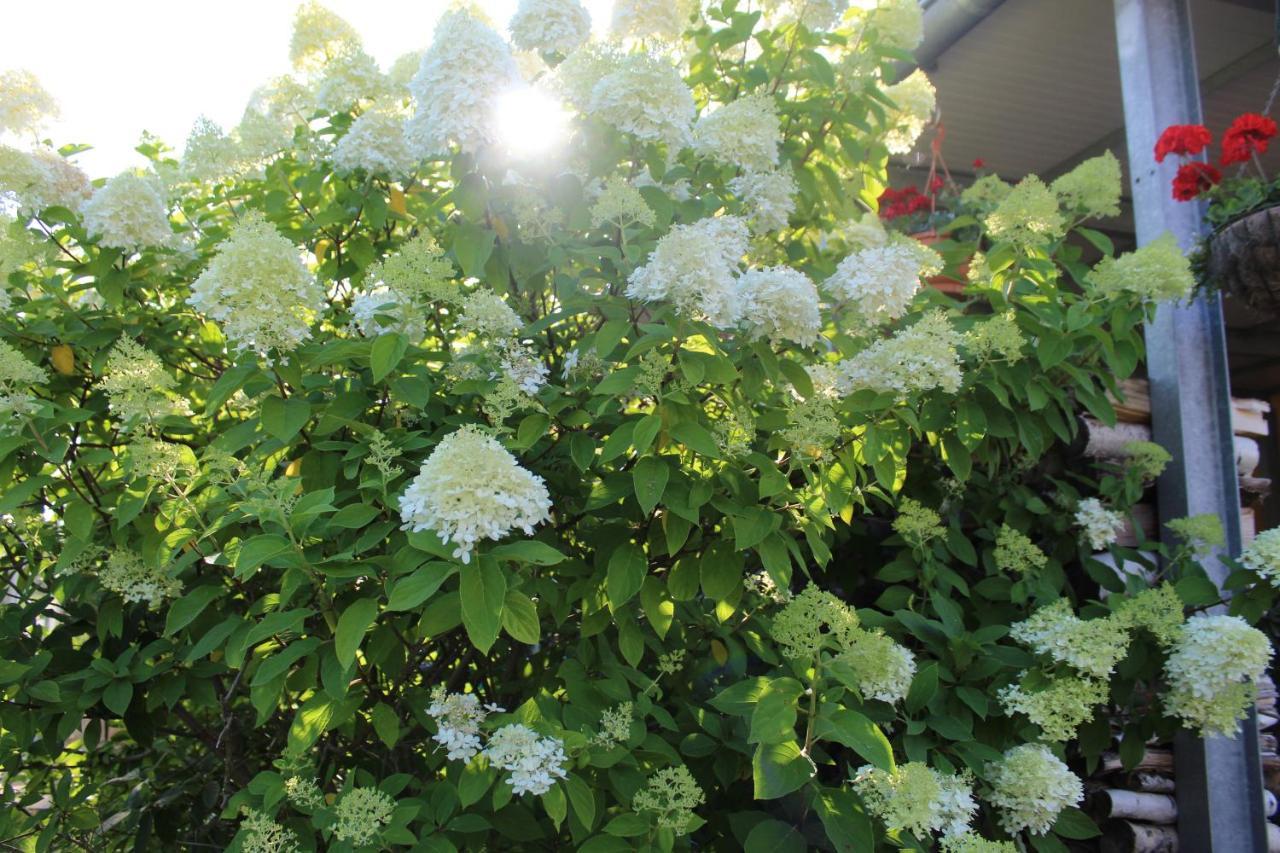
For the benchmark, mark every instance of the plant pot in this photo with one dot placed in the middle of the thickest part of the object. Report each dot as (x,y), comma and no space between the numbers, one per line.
(1244,259)
(945,283)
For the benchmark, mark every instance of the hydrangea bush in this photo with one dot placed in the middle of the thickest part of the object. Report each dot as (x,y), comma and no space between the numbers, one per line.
(370,481)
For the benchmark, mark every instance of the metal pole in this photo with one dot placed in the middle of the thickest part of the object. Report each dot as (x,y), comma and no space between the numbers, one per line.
(1219,780)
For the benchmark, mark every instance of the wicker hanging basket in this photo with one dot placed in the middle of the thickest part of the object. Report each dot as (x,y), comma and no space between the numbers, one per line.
(1244,259)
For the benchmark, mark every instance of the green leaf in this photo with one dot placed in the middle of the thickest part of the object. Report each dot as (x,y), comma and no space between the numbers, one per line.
(696,438)
(857,732)
(625,574)
(311,721)
(556,805)
(529,551)
(779,768)
(118,695)
(386,725)
(774,836)
(658,607)
(185,609)
(12,670)
(923,686)
(1073,823)
(650,481)
(279,663)
(848,829)
(386,353)
(581,799)
(283,419)
(520,618)
(472,246)
(259,550)
(721,571)
(774,718)
(483,591)
(354,516)
(416,588)
(352,625)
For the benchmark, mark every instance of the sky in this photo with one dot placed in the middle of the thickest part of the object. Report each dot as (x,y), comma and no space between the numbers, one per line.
(120,67)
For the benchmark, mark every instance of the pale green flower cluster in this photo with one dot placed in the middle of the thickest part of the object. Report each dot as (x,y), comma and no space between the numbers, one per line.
(735,433)
(137,384)
(418,271)
(463,73)
(24,103)
(615,726)
(1099,526)
(880,281)
(972,842)
(471,488)
(210,154)
(378,310)
(917,524)
(780,304)
(996,336)
(348,79)
(1027,216)
(1031,788)
(552,26)
(303,792)
(258,290)
(916,798)
(41,179)
(644,20)
(644,95)
(382,454)
(1146,458)
(745,133)
(1092,189)
(1262,555)
(671,794)
(986,193)
(159,461)
(1092,647)
(762,584)
(898,24)
(1212,673)
(1158,610)
(811,620)
(18,247)
(129,212)
(917,359)
(578,74)
(812,427)
(768,198)
(621,204)
(1202,532)
(1017,554)
(534,762)
(126,574)
(814,14)
(361,814)
(1058,708)
(883,669)
(264,835)
(319,36)
(488,316)
(376,143)
(695,268)
(1157,271)
(17,375)
(914,99)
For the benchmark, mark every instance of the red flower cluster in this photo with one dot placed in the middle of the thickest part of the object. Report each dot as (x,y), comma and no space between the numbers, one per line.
(903,202)
(1249,134)
(1182,139)
(1194,178)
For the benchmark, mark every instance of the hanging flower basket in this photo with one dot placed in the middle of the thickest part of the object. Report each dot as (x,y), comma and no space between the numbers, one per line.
(1244,259)
(945,283)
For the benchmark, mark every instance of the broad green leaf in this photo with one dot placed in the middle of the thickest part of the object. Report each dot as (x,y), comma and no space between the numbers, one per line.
(483,590)
(117,696)
(581,799)
(385,724)
(774,836)
(192,603)
(650,480)
(259,550)
(857,732)
(285,418)
(658,607)
(520,618)
(528,551)
(386,353)
(626,572)
(923,686)
(352,625)
(780,768)
(774,718)
(412,590)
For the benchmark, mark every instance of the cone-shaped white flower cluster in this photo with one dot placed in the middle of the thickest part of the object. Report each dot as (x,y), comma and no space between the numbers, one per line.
(1212,672)
(695,268)
(1099,526)
(534,762)
(881,281)
(1032,786)
(781,304)
(129,212)
(556,26)
(471,488)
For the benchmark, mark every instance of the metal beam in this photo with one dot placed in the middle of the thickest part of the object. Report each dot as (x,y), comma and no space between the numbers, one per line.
(945,23)
(1220,806)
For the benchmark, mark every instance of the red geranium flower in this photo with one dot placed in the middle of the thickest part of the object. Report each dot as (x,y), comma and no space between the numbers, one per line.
(1193,179)
(979,163)
(935,186)
(1182,139)
(1248,135)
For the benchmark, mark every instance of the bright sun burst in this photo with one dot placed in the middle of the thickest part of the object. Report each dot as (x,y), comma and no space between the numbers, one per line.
(531,122)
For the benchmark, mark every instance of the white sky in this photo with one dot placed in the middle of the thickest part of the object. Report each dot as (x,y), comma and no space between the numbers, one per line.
(118,67)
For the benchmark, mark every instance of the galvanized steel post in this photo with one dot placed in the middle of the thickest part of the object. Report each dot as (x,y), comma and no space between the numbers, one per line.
(1219,780)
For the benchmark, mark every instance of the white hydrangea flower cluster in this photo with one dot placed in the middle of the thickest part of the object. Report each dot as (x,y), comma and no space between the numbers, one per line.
(921,358)
(269,119)
(258,289)
(917,798)
(576,77)
(264,835)
(210,154)
(376,143)
(1090,646)
(915,100)
(41,179)
(348,79)
(1031,788)
(471,488)
(814,14)
(671,795)
(644,95)
(402,71)
(695,268)
(129,212)
(24,103)
(319,36)
(781,304)
(534,762)
(133,580)
(1059,707)
(17,375)
(899,24)
(745,133)
(879,282)
(361,815)
(642,20)
(458,717)
(487,315)
(137,383)
(379,310)
(768,198)
(1212,672)
(622,204)
(522,369)
(883,668)
(553,26)
(1099,526)
(462,74)
(1262,555)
